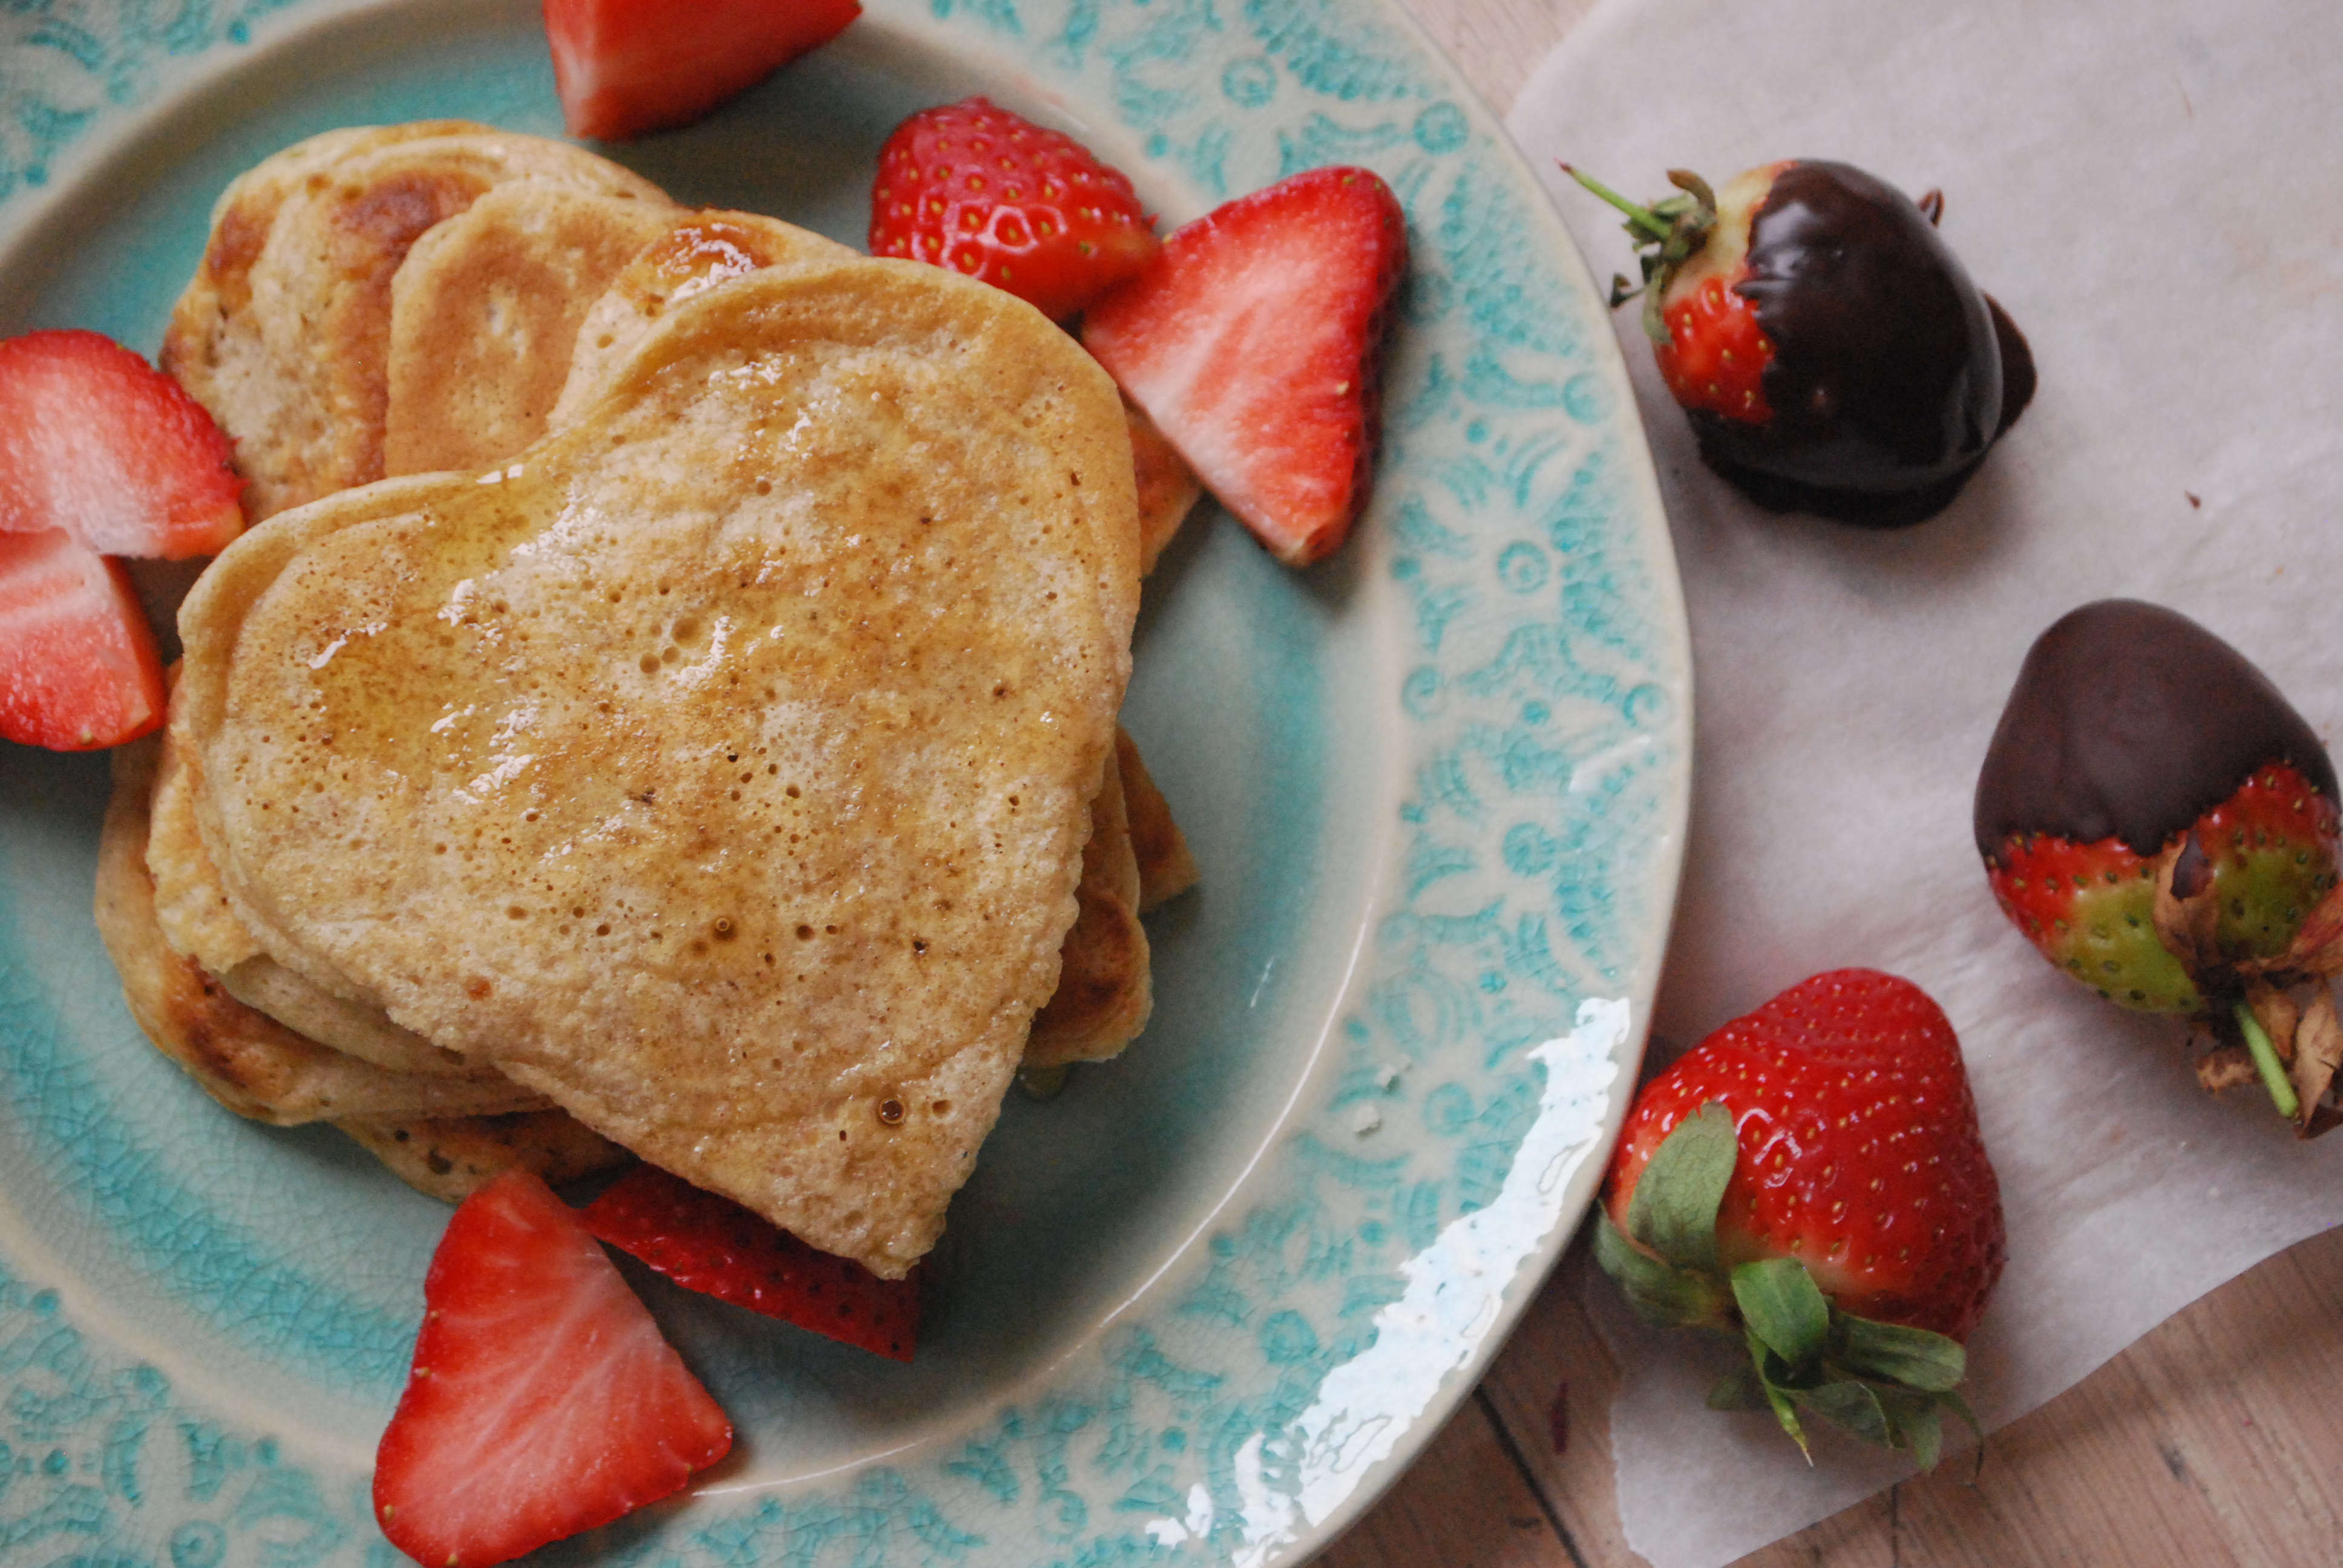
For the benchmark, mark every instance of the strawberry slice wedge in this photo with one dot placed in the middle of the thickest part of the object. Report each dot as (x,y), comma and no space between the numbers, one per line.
(1254,341)
(713,1245)
(78,668)
(543,1400)
(96,441)
(625,68)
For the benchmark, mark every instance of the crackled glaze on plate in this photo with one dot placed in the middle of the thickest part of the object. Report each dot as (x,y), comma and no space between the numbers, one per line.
(1202,1307)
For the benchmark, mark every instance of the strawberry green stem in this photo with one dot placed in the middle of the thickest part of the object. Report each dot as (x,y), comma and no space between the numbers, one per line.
(1652,225)
(2265,1061)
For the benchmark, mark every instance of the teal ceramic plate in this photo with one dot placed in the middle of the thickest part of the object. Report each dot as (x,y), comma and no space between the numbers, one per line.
(1204,1306)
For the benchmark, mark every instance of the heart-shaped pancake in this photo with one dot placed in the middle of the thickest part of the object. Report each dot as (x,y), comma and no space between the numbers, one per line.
(718,768)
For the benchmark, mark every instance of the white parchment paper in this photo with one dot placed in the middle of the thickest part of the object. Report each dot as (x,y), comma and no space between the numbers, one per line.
(2154,189)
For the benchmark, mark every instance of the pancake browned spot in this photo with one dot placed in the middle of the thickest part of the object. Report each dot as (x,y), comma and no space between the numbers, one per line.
(449,1157)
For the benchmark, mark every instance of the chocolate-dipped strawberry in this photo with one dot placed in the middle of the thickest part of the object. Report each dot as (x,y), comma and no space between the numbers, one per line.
(1828,347)
(2161,823)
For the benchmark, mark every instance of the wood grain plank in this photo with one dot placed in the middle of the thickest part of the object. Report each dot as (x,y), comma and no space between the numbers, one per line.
(1464,1504)
(2208,1444)
(1497,42)
(1555,1357)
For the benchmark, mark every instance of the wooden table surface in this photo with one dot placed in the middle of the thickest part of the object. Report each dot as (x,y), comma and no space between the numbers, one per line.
(2212,1442)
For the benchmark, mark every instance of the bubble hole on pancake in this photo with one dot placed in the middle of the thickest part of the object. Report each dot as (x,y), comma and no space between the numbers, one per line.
(723,768)
(283,333)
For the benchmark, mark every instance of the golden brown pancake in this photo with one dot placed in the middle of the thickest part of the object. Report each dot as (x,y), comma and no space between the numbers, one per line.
(719,766)
(1168,489)
(1106,959)
(284,334)
(193,915)
(705,249)
(484,315)
(448,1157)
(1166,869)
(697,252)
(248,1062)
(1104,992)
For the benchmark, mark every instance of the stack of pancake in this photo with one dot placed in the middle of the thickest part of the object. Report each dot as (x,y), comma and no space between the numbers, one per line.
(707,753)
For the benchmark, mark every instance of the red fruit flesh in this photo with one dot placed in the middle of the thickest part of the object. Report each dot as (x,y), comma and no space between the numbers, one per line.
(1254,341)
(985,192)
(97,442)
(708,1243)
(1715,354)
(78,668)
(1859,1152)
(625,68)
(543,1400)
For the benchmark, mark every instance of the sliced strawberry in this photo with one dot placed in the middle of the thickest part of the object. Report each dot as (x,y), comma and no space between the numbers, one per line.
(543,1400)
(711,1244)
(986,192)
(96,441)
(625,67)
(78,669)
(1254,341)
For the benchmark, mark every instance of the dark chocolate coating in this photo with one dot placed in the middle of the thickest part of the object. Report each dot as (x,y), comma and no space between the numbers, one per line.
(2131,720)
(1891,373)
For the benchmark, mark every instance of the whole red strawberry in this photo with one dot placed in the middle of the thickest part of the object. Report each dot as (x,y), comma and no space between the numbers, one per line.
(1829,349)
(975,188)
(2162,825)
(1810,1178)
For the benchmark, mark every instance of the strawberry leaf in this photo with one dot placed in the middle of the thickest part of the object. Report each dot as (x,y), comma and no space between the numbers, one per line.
(1924,1433)
(1783,1308)
(1673,1210)
(1851,1405)
(1917,1359)
(1740,1389)
(1662,1296)
(1778,1398)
